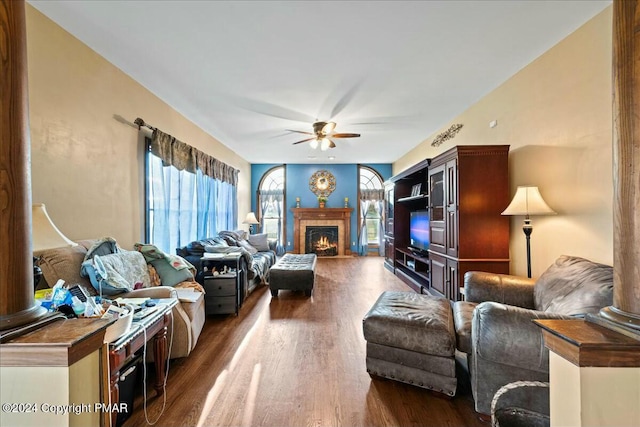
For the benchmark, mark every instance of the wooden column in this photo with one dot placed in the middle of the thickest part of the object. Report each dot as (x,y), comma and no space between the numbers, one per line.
(626,166)
(17,305)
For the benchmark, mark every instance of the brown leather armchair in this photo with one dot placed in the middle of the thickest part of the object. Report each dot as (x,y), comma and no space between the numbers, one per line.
(494,324)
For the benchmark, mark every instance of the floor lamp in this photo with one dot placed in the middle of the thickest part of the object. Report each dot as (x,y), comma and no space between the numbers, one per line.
(528,201)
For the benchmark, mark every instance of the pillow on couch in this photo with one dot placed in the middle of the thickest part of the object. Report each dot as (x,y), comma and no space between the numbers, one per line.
(233,237)
(64,263)
(169,275)
(116,273)
(247,246)
(230,240)
(573,285)
(242,234)
(259,241)
(197,247)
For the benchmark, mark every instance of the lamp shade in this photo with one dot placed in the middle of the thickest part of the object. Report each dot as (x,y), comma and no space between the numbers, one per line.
(45,234)
(251,219)
(528,201)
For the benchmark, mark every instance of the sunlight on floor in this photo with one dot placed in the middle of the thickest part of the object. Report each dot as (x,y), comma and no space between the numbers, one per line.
(212,396)
(250,406)
(214,392)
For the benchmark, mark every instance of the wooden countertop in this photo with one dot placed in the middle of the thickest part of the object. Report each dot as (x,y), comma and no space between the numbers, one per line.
(61,343)
(586,343)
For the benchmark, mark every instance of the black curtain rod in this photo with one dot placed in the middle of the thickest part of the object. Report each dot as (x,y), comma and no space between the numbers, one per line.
(141,123)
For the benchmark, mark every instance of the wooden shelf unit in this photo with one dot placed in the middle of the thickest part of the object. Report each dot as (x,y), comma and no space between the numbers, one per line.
(412,198)
(469,189)
(400,203)
(413,269)
(465,190)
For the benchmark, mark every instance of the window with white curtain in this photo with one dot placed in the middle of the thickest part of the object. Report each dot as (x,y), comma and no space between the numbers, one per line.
(271,190)
(183,206)
(371,196)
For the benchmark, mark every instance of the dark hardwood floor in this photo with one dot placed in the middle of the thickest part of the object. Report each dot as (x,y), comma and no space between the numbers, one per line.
(298,361)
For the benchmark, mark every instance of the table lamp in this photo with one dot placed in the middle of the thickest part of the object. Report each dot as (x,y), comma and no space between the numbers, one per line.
(251,220)
(528,201)
(44,235)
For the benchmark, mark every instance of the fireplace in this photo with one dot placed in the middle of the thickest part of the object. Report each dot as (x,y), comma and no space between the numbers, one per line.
(308,218)
(321,240)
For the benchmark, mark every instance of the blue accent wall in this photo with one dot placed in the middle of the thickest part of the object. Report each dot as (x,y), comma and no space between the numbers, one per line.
(297,184)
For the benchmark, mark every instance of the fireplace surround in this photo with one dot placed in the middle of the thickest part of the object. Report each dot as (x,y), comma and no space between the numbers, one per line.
(319,217)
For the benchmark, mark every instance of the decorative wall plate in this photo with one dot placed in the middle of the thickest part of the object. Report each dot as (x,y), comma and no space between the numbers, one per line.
(322,183)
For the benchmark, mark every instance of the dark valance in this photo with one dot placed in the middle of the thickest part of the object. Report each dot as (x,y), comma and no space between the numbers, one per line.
(185,157)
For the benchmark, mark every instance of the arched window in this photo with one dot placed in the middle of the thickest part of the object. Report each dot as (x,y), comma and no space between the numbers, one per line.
(371,197)
(271,190)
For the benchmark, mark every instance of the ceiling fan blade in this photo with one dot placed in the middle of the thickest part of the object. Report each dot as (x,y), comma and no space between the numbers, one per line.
(299,131)
(345,135)
(304,140)
(332,144)
(345,99)
(386,120)
(340,96)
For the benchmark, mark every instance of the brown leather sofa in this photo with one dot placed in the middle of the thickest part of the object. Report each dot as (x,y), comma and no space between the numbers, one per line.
(494,324)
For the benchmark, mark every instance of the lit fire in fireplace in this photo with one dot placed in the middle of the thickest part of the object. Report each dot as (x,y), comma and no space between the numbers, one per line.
(321,240)
(323,244)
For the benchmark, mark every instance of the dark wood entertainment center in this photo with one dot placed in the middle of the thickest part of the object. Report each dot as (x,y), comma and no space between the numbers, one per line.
(464,189)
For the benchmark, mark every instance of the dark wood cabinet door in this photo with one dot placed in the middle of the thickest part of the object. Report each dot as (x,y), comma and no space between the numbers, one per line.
(388,208)
(389,250)
(437,209)
(452,280)
(438,273)
(451,208)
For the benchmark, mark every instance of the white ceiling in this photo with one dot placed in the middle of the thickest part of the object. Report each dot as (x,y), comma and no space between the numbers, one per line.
(248,71)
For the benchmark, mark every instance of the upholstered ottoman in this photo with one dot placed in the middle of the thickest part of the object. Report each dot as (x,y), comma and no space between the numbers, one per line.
(293,272)
(410,338)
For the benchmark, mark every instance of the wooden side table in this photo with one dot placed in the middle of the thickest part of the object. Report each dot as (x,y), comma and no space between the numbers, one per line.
(152,328)
(224,292)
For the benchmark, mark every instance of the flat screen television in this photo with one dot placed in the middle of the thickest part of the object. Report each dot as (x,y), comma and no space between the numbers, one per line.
(419,231)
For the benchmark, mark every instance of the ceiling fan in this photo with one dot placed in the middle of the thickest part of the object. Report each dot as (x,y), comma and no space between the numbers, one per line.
(322,134)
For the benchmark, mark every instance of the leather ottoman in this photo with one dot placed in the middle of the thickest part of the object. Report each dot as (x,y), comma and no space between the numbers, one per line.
(410,338)
(293,272)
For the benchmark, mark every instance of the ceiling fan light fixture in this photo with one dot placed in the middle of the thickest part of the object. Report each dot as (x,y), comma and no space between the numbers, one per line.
(328,127)
(322,131)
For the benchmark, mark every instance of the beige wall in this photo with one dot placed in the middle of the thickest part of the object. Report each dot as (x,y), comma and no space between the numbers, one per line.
(86,157)
(556,114)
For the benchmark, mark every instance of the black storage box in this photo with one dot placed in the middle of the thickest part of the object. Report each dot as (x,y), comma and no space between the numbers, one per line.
(130,378)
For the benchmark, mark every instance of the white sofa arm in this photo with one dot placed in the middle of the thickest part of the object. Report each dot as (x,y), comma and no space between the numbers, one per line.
(153,292)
